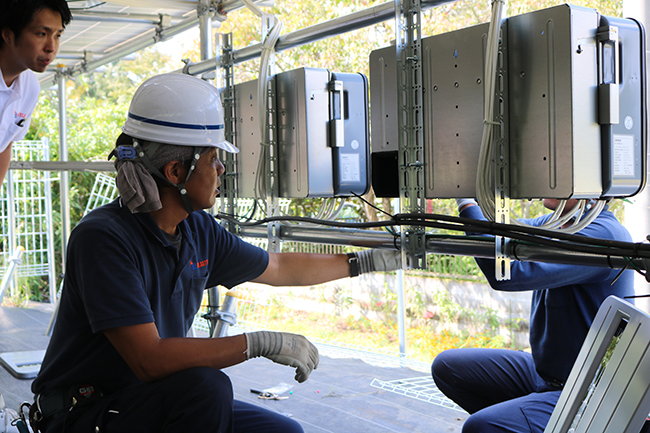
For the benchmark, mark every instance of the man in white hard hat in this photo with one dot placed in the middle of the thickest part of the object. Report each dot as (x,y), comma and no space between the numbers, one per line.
(119,358)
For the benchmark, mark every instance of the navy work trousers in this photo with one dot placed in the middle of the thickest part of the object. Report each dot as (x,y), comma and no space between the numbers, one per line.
(197,399)
(499,388)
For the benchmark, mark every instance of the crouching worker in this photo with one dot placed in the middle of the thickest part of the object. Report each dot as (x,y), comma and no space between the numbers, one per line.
(509,391)
(119,359)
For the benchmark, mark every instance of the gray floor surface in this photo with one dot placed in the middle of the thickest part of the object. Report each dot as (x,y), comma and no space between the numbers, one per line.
(338,397)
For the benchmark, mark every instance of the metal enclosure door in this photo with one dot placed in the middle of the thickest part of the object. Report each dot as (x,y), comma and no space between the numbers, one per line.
(554,132)
(305,159)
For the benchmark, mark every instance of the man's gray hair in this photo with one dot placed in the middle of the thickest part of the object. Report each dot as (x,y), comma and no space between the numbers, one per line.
(171,152)
(138,187)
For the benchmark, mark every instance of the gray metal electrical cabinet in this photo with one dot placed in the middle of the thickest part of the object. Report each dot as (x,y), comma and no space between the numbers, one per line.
(563,87)
(323,137)
(453,87)
(322,132)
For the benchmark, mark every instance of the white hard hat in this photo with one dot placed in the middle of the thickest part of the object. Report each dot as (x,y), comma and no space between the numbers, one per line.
(177,109)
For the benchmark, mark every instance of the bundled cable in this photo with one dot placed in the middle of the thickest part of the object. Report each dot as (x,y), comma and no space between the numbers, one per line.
(267,51)
(522,233)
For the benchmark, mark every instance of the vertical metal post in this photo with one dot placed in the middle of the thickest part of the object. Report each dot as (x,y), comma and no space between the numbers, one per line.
(401,313)
(49,226)
(205,33)
(64,184)
(410,130)
(228,159)
(205,29)
(410,141)
(271,144)
(11,214)
(501,162)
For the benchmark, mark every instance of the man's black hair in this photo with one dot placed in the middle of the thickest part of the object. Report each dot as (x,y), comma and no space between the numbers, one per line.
(17,14)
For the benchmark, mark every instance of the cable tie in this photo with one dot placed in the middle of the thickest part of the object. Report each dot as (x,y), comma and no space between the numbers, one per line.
(491,122)
(609,262)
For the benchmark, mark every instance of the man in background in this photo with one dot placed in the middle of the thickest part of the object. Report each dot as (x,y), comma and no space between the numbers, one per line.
(30,34)
(515,391)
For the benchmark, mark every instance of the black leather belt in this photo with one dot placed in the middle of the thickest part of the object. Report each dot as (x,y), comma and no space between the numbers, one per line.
(53,403)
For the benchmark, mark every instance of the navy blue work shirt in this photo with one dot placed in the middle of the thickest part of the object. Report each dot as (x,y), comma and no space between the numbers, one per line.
(122,271)
(566,297)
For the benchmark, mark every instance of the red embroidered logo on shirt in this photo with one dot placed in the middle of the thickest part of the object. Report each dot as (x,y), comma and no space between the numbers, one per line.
(200,264)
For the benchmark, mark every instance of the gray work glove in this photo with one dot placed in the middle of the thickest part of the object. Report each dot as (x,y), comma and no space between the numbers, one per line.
(284,348)
(465,201)
(378,260)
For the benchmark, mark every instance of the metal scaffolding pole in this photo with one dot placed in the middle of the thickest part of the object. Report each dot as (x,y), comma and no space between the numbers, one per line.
(64,184)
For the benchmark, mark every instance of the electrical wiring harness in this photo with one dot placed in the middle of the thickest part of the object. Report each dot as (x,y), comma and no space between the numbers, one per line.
(517,233)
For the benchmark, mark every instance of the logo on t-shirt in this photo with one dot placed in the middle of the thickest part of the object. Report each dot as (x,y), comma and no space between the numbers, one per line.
(198,265)
(19,118)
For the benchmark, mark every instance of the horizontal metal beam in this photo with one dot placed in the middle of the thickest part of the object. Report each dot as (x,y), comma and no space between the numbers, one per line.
(121,17)
(354,21)
(104,166)
(454,246)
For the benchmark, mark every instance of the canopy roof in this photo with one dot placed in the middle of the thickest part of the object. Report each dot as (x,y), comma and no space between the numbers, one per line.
(105,31)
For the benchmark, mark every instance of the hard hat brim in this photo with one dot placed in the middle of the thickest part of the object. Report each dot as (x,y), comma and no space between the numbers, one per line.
(228,147)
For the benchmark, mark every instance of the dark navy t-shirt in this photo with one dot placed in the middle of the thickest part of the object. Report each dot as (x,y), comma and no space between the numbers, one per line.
(122,271)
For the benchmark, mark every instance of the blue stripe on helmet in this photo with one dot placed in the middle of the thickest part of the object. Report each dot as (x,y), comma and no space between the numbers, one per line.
(174,124)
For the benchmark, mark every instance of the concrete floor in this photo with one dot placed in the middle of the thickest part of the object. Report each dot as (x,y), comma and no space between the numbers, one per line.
(338,397)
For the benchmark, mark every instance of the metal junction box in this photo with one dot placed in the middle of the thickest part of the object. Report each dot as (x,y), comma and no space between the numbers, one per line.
(573,103)
(322,133)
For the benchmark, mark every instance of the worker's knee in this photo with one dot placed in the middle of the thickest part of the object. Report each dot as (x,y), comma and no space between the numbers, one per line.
(443,367)
(478,423)
(205,381)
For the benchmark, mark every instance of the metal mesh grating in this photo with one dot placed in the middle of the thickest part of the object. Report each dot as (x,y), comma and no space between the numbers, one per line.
(419,388)
(104,191)
(28,221)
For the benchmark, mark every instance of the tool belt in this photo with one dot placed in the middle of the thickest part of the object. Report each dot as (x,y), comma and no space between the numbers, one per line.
(50,404)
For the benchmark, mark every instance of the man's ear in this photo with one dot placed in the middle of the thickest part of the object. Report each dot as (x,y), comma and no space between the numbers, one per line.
(7,35)
(174,171)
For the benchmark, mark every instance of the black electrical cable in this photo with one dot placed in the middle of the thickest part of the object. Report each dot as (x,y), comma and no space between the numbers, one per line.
(564,241)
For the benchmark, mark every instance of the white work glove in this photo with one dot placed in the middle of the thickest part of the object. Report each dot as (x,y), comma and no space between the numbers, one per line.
(378,260)
(284,348)
(465,201)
